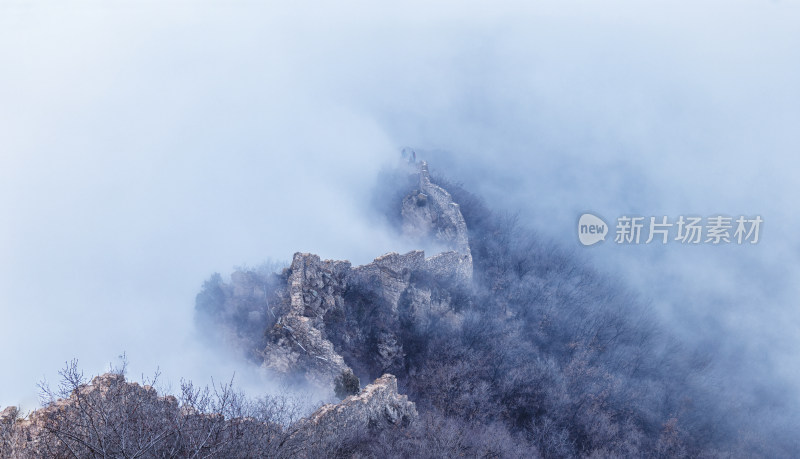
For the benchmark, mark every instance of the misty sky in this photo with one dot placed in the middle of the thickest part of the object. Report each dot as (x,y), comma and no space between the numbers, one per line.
(147,144)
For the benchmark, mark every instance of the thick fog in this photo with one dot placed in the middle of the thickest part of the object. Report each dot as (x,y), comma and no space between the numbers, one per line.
(144,147)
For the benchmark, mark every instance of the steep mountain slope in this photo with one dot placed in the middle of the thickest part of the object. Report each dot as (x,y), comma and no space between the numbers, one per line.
(502,344)
(501,335)
(330,316)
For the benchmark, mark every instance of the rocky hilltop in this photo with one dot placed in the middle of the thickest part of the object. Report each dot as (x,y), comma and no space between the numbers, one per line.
(377,405)
(334,323)
(319,322)
(321,315)
(429,213)
(110,417)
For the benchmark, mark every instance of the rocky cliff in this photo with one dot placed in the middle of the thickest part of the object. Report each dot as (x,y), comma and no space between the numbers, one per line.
(430,214)
(332,316)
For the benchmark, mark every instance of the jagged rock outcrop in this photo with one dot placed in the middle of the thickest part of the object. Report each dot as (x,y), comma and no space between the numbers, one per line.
(429,213)
(12,438)
(332,322)
(377,405)
(298,341)
(322,293)
(9,414)
(331,310)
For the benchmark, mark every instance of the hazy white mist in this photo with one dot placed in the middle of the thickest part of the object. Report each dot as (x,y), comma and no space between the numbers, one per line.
(145,145)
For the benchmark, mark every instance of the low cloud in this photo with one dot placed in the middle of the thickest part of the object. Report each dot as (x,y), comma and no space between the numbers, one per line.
(145,147)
